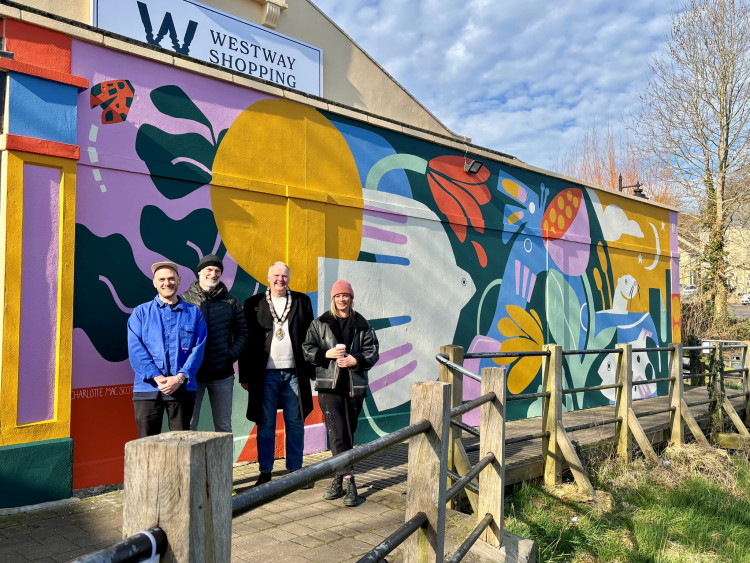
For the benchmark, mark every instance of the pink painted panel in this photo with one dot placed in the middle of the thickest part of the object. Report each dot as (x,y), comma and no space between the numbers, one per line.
(40,263)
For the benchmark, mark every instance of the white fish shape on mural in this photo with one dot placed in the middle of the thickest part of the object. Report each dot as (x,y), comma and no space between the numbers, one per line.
(415,284)
(608,371)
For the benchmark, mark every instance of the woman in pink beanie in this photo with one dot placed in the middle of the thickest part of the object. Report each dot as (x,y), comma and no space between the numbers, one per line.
(343,347)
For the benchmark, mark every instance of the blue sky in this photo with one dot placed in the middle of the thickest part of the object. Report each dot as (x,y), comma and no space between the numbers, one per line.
(525,78)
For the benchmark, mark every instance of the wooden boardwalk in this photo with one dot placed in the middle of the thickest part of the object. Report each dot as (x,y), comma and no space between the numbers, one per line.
(387,471)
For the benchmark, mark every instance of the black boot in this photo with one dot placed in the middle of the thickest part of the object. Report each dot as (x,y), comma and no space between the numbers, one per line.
(263,478)
(335,490)
(351,492)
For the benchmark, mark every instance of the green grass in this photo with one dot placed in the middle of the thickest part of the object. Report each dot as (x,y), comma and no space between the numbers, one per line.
(696,510)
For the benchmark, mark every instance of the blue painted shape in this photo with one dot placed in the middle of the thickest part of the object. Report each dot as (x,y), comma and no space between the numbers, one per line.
(387,259)
(367,149)
(42,109)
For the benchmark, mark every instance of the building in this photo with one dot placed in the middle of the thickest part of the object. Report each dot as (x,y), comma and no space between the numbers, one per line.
(131,133)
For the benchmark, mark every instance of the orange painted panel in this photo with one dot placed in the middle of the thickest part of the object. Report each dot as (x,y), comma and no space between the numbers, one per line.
(102,420)
(38,46)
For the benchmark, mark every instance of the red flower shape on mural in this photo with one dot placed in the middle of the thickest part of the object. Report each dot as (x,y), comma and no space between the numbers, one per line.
(561,213)
(459,194)
(115,98)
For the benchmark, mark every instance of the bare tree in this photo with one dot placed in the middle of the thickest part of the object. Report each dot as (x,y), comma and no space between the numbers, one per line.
(600,157)
(694,117)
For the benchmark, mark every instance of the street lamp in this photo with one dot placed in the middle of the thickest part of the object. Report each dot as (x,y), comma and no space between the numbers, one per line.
(638,192)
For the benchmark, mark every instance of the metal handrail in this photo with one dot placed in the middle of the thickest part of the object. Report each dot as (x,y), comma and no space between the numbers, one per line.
(465,427)
(471,539)
(263,494)
(467,406)
(529,353)
(395,539)
(135,548)
(443,359)
(473,472)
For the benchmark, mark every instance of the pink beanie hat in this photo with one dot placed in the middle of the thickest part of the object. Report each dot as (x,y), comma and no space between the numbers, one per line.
(342,286)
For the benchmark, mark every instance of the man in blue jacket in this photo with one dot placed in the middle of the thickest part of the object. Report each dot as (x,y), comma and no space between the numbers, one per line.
(166,338)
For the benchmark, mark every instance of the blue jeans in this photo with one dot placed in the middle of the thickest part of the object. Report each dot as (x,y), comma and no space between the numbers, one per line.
(281,384)
(220,396)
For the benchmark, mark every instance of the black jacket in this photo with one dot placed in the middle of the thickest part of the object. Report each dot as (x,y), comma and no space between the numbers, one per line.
(324,334)
(227,330)
(255,357)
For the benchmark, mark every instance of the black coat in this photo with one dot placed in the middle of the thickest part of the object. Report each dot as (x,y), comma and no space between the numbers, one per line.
(227,330)
(255,357)
(324,333)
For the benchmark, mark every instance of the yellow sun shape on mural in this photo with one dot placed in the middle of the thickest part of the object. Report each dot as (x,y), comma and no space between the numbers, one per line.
(285,187)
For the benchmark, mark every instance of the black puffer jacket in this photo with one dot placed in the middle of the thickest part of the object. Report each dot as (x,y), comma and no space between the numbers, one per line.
(324,334)
(227,330)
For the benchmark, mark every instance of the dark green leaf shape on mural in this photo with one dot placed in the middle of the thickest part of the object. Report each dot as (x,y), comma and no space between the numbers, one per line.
(94,307)
(169,238)
(175,178)
(178,164)
(174,102)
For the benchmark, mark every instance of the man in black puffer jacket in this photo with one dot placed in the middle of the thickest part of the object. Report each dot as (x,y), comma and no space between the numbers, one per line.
(227,337)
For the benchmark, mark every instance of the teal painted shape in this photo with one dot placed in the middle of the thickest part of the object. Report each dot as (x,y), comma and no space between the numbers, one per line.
(105,282)
(36,472)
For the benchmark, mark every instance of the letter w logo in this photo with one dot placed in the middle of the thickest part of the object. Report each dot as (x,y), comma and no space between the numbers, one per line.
(167,26)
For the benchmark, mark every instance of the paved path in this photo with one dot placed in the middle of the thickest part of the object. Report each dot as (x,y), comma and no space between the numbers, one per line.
(301,527)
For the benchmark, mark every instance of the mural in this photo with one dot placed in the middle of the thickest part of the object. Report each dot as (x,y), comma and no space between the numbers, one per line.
(174,166)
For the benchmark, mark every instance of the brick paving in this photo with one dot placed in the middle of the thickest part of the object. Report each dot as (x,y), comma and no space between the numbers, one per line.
(300,527)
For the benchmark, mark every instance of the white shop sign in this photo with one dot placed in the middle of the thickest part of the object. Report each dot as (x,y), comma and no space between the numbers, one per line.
(208,34)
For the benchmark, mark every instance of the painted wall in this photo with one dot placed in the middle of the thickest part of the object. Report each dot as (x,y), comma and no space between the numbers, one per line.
(350,76)
(175,165)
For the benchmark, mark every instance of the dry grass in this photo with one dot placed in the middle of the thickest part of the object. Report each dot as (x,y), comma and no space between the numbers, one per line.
(679,463)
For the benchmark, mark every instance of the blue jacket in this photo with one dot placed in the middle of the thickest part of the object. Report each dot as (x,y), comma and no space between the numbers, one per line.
(165,341)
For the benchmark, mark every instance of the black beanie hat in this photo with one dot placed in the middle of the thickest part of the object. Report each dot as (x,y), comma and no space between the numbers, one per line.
(210,260)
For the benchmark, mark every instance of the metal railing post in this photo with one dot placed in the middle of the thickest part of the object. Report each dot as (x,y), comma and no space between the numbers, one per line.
(456,381)
(624,399)
(676,426)
(427,474)
(181,482)
(552,414)
(492,439)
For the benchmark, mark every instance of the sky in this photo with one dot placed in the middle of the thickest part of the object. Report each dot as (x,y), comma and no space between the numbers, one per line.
(525,78)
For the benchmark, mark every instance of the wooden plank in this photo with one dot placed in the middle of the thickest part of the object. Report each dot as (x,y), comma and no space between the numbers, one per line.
(676,387)
(642,439)
(735,418)
(456,381)
(463,465)
(428,455)
(552,414)
(574,463)
(492,439)
(624,399)
(693,425)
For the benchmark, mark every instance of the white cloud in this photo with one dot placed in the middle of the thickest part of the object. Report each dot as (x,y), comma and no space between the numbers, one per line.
(525,78)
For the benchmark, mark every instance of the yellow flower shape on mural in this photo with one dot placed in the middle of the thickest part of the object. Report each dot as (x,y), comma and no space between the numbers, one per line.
(523,331)
(286,187)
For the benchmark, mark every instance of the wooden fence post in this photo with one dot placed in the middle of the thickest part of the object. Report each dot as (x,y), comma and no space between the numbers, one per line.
(676,426)
(492,439)
(716,396)
(552,414)
(426,477)
(456,380)
(624,400)
(181,482)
